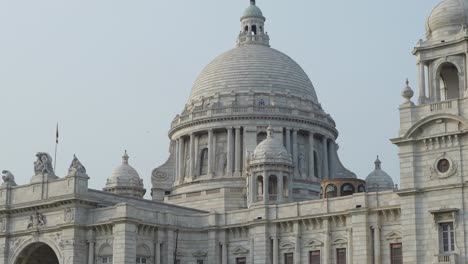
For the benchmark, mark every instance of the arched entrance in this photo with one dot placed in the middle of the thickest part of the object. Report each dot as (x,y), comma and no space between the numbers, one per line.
(37,253)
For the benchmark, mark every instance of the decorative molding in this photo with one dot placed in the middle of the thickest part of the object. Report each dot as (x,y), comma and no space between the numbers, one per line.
(341,241)
(69,215)
(3,223)
(200,254)
(287,246)
(393,236)
(314,243)
(434,171)
(240,250)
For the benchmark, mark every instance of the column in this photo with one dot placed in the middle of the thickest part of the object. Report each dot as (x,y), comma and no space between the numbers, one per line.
(350,245)
(266,196)
(124,248)
(192,157)
(275,250)
(176,153)
(157,256)
(377,248)
(288,140)
(311,156)
(91,252)
(332,162)
(422,83)
(181,160)
(238,150)
(225,253)
(297,249)
(210,153)
(230,148)
(326,242)
(325,174)
(295,152)
(252,250)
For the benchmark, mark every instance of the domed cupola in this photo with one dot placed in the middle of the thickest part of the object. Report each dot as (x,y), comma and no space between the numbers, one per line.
(125,180)
(447,19)
(269,172)
(253,27)
(379,180)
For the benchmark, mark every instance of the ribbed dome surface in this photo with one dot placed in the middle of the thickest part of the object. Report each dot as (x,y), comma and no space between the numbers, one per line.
(124,176)
(253,67)
(379,180)
(252,11)
(447,18)
(271,149)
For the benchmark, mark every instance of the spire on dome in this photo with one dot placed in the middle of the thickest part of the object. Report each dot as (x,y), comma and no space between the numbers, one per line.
(378,164)
(252,2)
(125,158)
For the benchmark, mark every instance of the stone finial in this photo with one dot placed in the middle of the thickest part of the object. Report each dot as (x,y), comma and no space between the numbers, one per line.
(252,2)
(270,132)
(76,168)
(407,92)
(8,179)
(378,164)
(125,158)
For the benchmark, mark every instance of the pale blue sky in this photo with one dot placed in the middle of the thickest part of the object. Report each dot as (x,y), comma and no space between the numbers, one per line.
(114,73)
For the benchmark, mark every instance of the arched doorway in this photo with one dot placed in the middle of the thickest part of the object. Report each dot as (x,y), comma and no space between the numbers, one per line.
(37,253)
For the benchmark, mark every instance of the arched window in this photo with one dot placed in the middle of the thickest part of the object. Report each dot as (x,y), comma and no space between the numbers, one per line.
(105,255)
(272,187)
(246,29)
(448,82)
(316,169)
(361,188)
(204,162)
(143,255)
(261,136)
(331,191)
(347,189)
(285,186)
(254,29)
(260,188)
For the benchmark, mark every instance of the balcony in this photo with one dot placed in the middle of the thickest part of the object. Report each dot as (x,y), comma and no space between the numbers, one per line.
(447,258)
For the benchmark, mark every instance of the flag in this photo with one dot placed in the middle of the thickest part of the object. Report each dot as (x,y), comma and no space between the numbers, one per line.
(56,135)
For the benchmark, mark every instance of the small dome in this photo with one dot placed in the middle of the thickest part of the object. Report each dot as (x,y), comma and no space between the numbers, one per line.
(446,19)
(379,180)
(125,180)
(271,149)
(252,11)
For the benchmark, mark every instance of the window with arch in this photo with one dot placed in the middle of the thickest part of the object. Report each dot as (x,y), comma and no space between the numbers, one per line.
(143,255)
(331,191)
(246,29)
(204,162)
(272,185)
(260,188)
(316,169)
(254,29)
(361,188)
(285,186)
(347,189)
(105,255)
(448,82)
(261,136)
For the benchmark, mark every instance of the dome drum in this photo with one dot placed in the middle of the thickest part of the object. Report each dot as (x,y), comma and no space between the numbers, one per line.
(341,187)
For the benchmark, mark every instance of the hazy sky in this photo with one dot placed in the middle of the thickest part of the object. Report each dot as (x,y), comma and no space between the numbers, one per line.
(114,73)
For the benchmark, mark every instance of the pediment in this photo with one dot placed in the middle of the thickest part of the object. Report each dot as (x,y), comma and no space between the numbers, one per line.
(393,235)
(340,241)
(200,254)
(314,243)
(240,250)
(436,125)
(287,245)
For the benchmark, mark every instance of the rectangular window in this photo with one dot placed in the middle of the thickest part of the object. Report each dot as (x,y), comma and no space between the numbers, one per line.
(241,261)
(341,256)
(396,253)
(199,261)
(447,236)
(141,260)
(289,258)
(106,260)
(314,257)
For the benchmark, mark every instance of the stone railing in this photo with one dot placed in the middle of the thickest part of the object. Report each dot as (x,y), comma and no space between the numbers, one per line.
(250,110)
(448,258)
(441,106)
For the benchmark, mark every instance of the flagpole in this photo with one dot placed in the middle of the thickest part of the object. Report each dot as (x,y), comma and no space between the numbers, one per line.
(56,144)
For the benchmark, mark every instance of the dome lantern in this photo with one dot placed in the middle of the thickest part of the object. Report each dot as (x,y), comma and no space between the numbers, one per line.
(253,27)
(379,180)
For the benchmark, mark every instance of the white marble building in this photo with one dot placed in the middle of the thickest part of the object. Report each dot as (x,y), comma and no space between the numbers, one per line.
(253,174)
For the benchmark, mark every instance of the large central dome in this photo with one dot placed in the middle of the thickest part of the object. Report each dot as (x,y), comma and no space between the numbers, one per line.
(253,67)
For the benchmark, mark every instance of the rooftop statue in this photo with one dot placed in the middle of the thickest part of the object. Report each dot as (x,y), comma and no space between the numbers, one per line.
(76,168)
(8,179)
(43,164)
